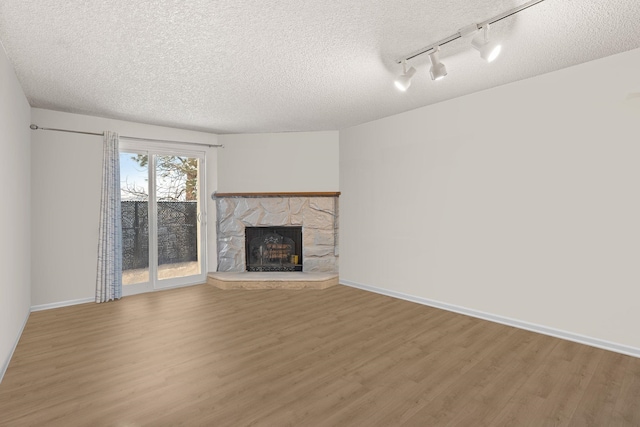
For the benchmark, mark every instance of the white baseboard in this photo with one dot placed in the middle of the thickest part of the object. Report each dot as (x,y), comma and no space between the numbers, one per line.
(61,304)
(5,365)
(570,336)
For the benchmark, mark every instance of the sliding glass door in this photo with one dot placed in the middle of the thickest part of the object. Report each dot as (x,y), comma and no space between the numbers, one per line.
(162,218)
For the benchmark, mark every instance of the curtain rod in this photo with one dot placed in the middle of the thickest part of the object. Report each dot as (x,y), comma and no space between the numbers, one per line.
(133,138)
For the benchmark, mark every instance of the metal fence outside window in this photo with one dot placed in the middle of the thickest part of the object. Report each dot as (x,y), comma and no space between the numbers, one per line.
(177,233)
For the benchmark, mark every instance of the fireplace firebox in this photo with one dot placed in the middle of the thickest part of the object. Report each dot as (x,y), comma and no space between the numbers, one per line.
(273,248)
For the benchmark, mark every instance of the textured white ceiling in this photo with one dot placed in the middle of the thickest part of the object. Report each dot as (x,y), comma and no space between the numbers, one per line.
(246,66)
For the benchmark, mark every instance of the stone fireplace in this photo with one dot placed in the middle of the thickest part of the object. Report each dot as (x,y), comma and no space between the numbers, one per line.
(315,215)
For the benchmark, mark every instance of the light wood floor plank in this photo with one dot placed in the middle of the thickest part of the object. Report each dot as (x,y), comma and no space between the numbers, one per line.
(200,356)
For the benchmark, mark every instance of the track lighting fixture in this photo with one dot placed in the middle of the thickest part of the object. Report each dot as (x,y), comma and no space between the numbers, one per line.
(489,50)
(437,70)
(404,81)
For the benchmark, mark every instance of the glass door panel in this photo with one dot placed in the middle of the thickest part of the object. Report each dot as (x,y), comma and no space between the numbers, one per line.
(134,193)
(177,198)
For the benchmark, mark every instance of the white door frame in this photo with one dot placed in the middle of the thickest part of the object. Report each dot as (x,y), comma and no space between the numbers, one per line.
(153,149)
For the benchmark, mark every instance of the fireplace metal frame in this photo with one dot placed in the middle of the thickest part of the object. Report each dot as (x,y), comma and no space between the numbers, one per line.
(290,232)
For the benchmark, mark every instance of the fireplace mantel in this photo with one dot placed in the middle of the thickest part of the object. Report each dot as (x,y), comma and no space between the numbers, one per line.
(291,194)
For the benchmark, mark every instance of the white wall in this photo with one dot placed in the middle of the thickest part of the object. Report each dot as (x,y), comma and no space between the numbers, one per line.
(15,259)
(520,201)
(272,162)
(66,176)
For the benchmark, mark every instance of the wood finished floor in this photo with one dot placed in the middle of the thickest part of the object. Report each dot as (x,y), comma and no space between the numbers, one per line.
(200,356)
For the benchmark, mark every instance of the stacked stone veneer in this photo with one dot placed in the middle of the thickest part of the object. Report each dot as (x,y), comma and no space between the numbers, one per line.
(318,217)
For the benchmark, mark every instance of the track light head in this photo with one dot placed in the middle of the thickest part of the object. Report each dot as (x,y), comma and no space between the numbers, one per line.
(437,70)
(489,50)
(404,81)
